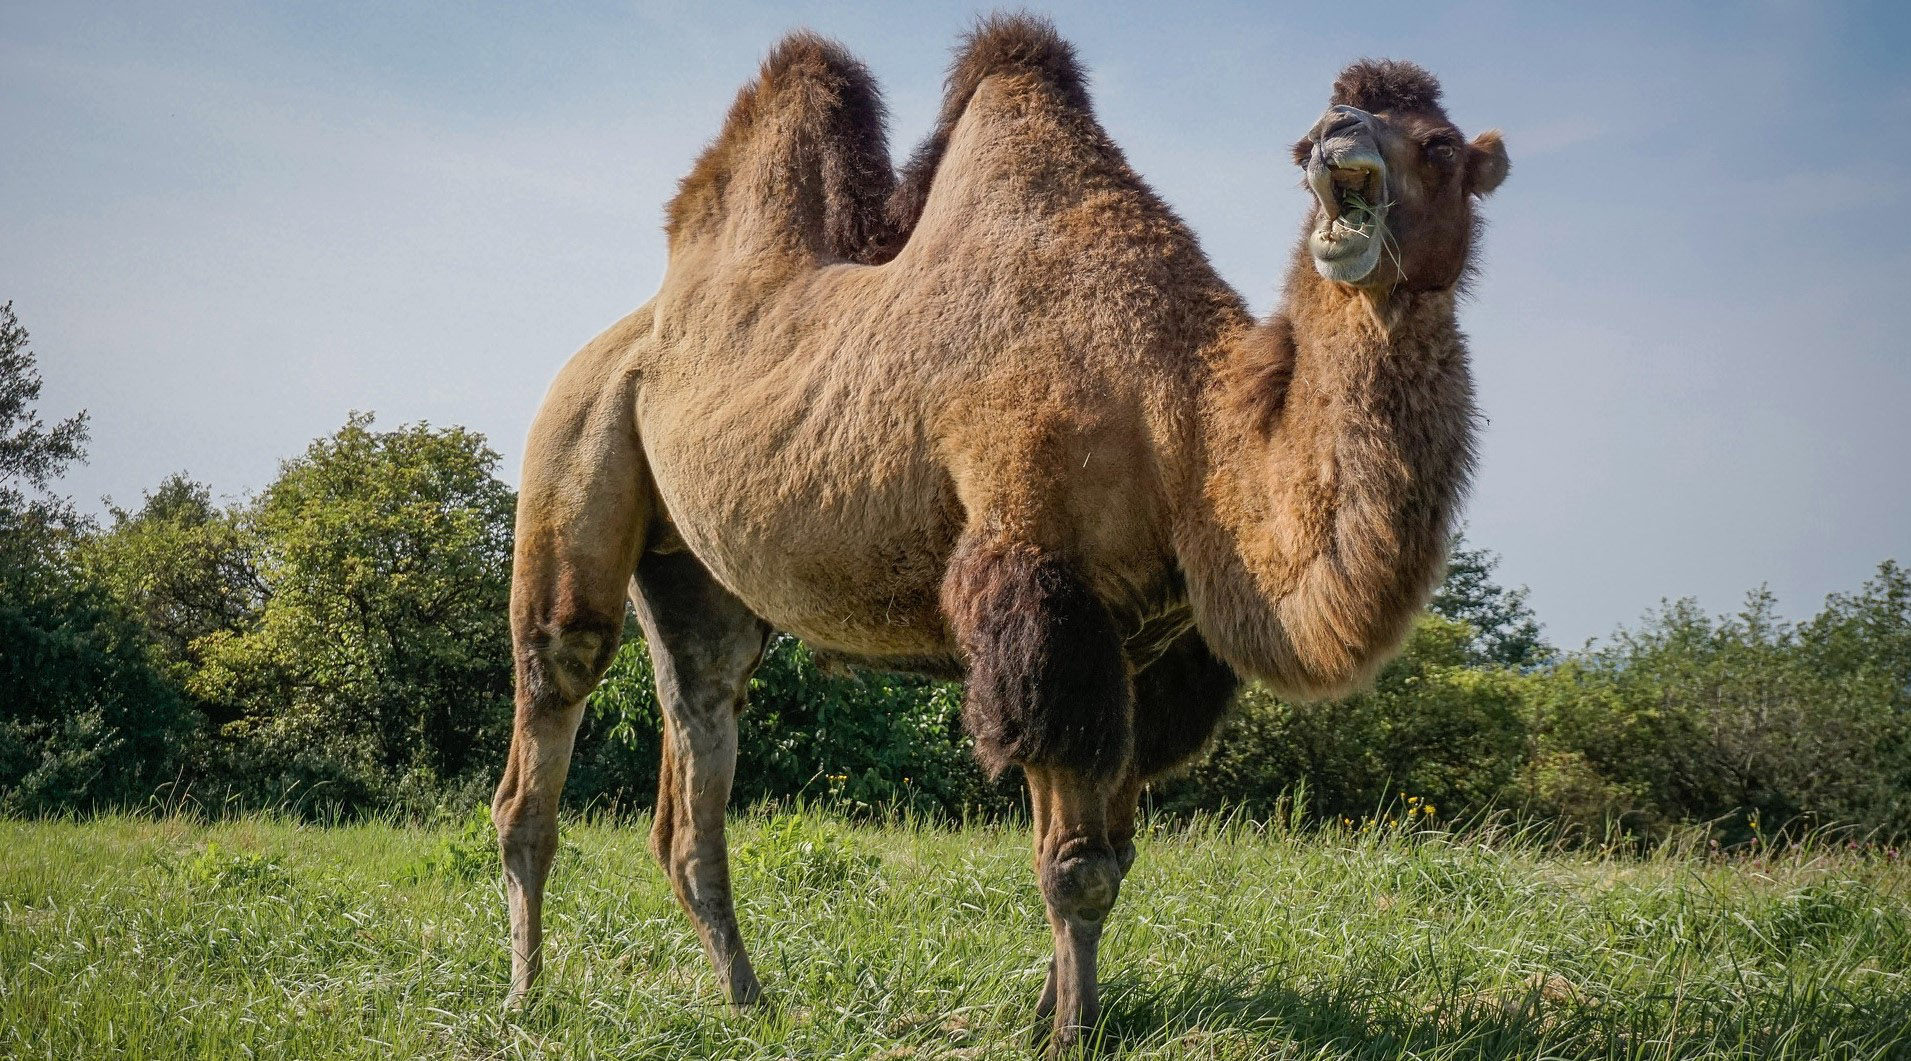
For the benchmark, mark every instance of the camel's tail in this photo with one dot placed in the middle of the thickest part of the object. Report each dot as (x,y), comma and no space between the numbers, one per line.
(999,44)
(820,116)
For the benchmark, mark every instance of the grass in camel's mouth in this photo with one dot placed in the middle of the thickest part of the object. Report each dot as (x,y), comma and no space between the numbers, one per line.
(1357,214)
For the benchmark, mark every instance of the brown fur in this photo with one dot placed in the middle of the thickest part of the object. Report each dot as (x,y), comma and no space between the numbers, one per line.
(1003,45)
(1047,683)
(1042,438)
(1389,85)
(837,165)
(1179,700)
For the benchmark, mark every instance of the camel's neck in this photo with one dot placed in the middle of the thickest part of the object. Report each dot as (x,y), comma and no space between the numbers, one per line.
(1337,457)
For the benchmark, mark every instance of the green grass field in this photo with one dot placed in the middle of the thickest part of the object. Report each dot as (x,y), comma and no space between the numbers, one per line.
(142,937)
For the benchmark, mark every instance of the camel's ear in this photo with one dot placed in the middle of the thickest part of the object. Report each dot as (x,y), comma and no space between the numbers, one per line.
(1486,163)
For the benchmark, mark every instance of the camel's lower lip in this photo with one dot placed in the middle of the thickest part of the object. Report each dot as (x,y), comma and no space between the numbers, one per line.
(1343,254)
(1337,239)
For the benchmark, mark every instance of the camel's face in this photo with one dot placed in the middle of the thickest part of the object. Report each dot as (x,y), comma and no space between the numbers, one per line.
(1394,195)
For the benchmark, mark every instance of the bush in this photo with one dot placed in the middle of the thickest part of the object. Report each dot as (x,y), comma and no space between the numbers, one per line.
(1738,719)
(861,744)
(1432,727)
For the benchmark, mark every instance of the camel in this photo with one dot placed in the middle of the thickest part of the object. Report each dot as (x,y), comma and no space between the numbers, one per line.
(999,419)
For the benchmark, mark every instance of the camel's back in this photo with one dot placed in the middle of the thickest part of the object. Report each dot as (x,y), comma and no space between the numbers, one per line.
(1032,359)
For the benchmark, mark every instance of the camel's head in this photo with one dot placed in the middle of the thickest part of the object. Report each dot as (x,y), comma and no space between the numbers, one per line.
(1394,182)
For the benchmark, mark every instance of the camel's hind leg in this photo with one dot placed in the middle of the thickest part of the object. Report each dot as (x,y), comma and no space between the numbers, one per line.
(567,617)
(704,644)
(583,507)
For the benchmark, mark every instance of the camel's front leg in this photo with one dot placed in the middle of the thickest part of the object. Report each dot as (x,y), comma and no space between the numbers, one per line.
(1049,691)
(1079,868)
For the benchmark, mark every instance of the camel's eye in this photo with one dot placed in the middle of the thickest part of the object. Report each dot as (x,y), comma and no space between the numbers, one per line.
(1442,151)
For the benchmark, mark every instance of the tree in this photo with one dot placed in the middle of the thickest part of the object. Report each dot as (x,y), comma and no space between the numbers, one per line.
(180,564)
(1506,632)
(84,719)
(32,455)
(380,652)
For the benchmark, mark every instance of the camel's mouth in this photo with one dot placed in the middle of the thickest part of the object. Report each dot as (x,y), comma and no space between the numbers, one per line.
(1351,228)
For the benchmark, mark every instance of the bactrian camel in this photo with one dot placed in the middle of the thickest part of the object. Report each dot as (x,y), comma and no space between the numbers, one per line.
(999,420)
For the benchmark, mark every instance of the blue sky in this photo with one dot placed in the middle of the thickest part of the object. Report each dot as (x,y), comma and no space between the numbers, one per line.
(226,226)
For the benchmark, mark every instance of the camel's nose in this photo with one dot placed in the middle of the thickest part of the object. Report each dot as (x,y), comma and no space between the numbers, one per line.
(1340,119)
(1342,130)
(1345,153)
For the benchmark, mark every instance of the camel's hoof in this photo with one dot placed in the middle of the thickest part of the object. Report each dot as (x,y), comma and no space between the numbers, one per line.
(1071,1041)
(747,997)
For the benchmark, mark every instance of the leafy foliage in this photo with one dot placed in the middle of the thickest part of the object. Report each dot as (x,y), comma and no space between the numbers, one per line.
(182,565)
(1433,726)
(1505,630)
(379,655)
(1744,719)
(860,743)
(84,719)
(32,455)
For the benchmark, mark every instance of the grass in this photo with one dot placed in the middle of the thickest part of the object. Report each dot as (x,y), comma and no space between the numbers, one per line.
(163,937)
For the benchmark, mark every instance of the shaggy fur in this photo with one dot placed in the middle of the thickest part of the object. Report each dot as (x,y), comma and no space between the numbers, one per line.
(1179,700)
(836,165)
(1047,684)
(1389,85)
(1041,439)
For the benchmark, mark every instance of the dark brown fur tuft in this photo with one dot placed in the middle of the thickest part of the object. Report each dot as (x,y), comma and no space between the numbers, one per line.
(1389,85)
(999,44)
(840,135)
(1047,683)
(1179,701)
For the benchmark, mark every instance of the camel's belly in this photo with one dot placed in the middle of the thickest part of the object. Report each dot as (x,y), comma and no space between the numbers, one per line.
(842,592)
(845,550)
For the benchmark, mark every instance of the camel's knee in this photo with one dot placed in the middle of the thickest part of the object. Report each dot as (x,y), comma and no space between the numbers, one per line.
(1047,683)
(526,827)
(560,662)
(1081,879)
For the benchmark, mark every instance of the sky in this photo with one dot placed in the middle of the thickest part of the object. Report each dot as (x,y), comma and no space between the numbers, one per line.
(227,226)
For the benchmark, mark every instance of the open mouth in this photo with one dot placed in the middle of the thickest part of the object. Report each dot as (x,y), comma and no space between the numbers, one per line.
(1357,194)
(1348,236)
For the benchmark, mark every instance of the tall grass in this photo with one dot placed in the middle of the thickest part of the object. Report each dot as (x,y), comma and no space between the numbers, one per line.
(166,936)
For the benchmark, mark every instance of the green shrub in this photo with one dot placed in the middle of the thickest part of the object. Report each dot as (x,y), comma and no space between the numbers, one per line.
(807,851)
(1432,727)
(866,743)
(214,869)
(468,855)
